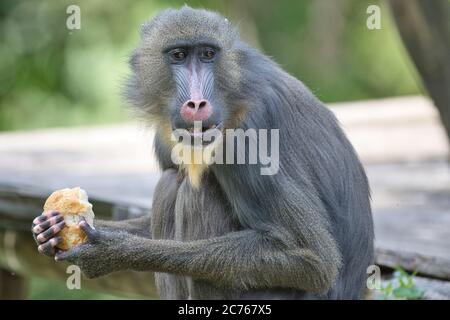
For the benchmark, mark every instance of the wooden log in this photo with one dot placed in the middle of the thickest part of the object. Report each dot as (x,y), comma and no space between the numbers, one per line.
(425,265)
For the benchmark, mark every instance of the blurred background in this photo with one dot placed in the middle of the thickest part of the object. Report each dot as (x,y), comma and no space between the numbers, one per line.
(53,77)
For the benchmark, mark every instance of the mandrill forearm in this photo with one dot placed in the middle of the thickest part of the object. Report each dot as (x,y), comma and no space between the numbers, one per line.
(137,226)
(239,260)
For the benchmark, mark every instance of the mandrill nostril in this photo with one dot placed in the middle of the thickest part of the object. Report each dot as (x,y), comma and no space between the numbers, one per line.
(196,104)
(191,104)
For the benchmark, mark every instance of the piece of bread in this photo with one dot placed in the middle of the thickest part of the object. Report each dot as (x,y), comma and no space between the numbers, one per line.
(72,204)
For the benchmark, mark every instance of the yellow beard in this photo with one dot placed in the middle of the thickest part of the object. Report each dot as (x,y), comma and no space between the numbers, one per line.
(194,161)
(200,158)
(195,173)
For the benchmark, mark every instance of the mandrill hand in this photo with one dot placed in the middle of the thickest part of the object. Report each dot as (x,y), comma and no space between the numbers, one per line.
(44,229)
(95,257)
(98,256)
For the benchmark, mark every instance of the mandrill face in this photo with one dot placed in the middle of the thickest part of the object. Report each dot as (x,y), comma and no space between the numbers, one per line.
(192,67)
(186,73)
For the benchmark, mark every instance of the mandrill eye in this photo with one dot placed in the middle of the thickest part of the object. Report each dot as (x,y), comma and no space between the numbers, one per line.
(178,55)
(208,54)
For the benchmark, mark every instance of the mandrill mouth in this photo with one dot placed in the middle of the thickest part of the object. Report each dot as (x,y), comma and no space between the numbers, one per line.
(200,131)
(207,134)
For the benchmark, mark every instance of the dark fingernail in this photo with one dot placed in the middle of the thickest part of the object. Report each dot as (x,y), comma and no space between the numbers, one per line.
(39,219)
(46,249)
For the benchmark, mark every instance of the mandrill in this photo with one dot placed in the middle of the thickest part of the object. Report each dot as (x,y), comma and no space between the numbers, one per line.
(225,230)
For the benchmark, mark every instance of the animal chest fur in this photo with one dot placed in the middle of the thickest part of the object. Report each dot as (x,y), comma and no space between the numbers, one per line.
(198,213)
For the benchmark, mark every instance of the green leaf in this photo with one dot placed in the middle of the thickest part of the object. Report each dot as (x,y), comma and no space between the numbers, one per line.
(401,280)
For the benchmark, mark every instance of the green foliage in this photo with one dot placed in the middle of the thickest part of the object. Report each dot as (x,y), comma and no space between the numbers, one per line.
(52,76)
(402,286)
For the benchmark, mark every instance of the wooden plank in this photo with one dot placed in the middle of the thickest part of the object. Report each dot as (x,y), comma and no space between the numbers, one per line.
(411,206)
(414,262)
(434,289)
(383,130)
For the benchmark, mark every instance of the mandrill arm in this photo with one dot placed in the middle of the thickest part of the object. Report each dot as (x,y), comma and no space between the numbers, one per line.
(263,255)
(137,226)
(244,259)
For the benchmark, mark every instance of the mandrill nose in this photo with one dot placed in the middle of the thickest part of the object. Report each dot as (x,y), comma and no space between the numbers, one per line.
(196,110)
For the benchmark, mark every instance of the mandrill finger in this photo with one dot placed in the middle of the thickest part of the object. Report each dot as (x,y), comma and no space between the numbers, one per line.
(90,232)
(69,255)
(44,216)
(47,224)
(50,232)
(48,248)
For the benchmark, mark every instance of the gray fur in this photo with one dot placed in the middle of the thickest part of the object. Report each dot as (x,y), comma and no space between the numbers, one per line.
(303,233)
